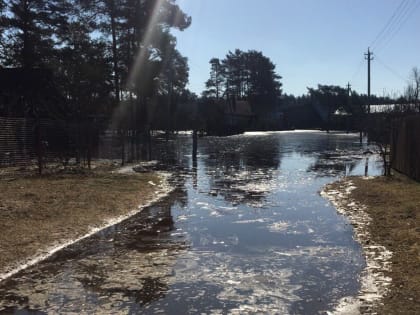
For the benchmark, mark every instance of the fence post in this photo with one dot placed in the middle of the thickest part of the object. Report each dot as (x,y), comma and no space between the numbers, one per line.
(122,146)
(149,144)
(194,147)
(89,131)
(38,140)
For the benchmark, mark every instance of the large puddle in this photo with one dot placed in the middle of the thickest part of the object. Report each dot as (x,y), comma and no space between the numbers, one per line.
(245,231)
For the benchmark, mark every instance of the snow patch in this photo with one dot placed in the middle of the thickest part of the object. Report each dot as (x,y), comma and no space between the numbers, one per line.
(374,283)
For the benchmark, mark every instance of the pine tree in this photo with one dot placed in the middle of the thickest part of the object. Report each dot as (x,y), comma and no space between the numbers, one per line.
(85,72)
(148,23)
(31,29)
(2,27)
(234,65)
(244,75)
(215,85)
(111,22)
(262,78)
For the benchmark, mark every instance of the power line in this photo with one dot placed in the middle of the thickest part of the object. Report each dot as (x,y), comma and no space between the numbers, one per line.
(359,67)
(390,22)
(401,15)
(405,9)
(401,22)
(384,31)
(395,73)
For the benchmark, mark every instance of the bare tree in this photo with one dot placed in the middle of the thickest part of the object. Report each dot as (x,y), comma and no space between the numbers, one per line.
(380,132)
(413,89)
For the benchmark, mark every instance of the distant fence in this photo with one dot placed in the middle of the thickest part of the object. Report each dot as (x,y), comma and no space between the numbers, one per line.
(25,142)
(405,146)
(17,143)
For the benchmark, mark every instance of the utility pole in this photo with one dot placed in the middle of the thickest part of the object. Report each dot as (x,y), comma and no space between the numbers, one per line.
(348,106)
(369,58)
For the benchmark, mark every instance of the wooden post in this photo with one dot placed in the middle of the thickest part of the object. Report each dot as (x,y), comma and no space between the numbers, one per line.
(367,166)
(194,147)
(89,144)
(122,147)
(39,145)
(149,144)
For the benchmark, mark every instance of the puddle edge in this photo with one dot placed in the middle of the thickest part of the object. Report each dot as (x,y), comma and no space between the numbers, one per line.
(164,189)
(374,284)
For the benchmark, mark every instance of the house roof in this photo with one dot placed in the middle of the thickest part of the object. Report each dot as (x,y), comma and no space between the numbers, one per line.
(341,111)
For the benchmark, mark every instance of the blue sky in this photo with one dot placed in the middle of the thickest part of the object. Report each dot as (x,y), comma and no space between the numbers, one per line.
(310,41)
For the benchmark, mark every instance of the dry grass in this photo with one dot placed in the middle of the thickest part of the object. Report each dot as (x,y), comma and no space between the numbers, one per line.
(394,206)
(35,212)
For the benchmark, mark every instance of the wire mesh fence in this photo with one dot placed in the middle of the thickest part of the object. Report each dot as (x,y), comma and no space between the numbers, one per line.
(29,142)
(17,141)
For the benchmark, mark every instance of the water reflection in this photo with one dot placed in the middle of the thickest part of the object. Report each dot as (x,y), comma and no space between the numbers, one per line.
(234,160)
(336,163)
(245,231)
(120,269)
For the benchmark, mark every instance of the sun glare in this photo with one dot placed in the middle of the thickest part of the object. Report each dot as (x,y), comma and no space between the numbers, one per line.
(142,54)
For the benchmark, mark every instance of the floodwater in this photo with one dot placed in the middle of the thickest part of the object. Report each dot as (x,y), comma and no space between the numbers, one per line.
(245,231)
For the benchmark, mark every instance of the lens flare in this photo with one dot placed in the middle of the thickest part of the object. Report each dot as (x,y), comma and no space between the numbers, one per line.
(142,54)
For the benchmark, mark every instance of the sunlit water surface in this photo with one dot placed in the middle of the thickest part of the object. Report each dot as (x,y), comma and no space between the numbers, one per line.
(245,231)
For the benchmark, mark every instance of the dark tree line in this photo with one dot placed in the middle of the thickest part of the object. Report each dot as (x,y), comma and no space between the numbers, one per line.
(104,54)
(336,100)
(101,53)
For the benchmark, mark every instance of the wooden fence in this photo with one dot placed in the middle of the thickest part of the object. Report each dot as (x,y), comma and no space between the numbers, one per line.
(405,146)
